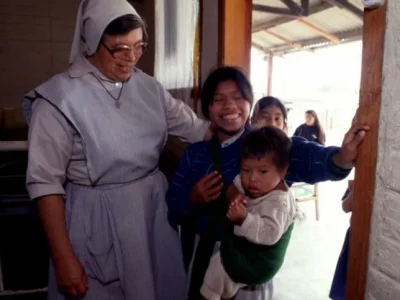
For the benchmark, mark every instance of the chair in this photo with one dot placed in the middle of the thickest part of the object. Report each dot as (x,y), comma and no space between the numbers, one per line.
(307,195)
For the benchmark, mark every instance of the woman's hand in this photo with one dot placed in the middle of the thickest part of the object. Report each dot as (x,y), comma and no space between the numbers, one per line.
(207,189)
(349,150)
(71,276)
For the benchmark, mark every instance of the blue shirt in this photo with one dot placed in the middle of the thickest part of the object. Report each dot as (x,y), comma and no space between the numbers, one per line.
(310,163)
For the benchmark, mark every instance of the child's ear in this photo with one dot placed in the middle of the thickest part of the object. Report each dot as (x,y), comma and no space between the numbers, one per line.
(283,172)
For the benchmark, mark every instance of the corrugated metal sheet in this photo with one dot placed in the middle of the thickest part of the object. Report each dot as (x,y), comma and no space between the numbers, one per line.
(333,20)
(261,16)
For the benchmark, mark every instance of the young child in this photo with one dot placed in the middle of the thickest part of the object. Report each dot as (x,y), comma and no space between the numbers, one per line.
(253,247)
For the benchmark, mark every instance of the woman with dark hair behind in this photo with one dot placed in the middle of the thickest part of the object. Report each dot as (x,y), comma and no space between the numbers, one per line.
(312,129)
(270,111)
(95,136)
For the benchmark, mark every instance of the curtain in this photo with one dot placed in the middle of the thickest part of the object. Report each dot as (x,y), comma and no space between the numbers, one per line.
(175,30)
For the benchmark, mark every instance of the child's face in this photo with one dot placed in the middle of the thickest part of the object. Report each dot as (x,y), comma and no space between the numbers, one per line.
(271,116)
(260,176)
(229,111)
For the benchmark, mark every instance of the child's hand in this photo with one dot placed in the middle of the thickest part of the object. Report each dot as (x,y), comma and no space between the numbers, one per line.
(239,198)
(232,193)
(237,211)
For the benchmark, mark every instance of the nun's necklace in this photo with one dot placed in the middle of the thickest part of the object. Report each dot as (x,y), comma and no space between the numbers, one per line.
(116,99)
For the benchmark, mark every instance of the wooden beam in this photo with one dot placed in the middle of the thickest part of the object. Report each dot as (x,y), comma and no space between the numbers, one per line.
(346,5)
(316,42)
(235,33)
(314,9)
(257,46)
(305,6)
(281,38)
(210,39)
(319,30)
(197,57)
(294,7)
(270,71)
(365,172)
(273,10)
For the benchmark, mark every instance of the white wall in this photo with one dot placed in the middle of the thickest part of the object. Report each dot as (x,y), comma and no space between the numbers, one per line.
(384,258)
(35,43)
(36,38)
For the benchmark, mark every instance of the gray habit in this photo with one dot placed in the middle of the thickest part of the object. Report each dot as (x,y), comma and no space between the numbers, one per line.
(104,161)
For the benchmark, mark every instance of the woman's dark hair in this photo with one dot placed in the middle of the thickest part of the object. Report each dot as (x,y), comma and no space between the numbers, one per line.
(219,75)
(321,136)
(267,140)
(272,101)
(126,24)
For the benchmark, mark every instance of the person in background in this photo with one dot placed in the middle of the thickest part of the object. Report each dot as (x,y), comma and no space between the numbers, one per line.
(95,136)
(198,188)
(312,129)
(338,288)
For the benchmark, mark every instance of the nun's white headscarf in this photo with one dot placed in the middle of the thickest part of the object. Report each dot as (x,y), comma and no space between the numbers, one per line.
(93,18)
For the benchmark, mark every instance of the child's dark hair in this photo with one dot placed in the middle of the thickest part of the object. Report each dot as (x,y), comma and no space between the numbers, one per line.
(219,75)
(271,101)
(267,140)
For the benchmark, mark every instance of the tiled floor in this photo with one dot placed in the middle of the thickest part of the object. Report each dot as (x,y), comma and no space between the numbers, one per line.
(314,248)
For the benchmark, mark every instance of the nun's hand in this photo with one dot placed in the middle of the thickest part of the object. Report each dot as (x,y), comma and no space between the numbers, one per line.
(71,276)
(348,152)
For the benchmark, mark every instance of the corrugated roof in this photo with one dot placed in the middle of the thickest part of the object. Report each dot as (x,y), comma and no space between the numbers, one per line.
(281,33)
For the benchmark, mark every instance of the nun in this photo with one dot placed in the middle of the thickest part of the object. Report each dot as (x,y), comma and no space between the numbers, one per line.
(95,136)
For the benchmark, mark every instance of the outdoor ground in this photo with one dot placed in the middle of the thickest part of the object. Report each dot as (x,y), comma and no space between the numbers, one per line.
(314,248)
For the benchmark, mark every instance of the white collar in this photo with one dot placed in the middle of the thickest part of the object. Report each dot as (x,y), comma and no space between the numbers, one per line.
(231,140)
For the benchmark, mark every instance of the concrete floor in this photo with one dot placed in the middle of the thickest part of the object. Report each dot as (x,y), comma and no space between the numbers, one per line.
(313,251)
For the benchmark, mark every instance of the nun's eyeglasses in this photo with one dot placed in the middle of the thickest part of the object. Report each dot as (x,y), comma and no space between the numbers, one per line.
(124,51)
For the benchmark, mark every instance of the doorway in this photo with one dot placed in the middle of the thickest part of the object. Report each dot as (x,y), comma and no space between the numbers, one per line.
(309,54)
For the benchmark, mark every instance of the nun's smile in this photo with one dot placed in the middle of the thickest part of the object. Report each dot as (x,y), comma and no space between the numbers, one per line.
(127,70)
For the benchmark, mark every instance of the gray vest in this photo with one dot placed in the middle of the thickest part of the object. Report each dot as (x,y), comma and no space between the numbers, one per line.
(120,145)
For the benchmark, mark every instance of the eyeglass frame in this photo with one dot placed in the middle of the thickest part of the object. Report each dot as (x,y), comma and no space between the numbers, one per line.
(143,46)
